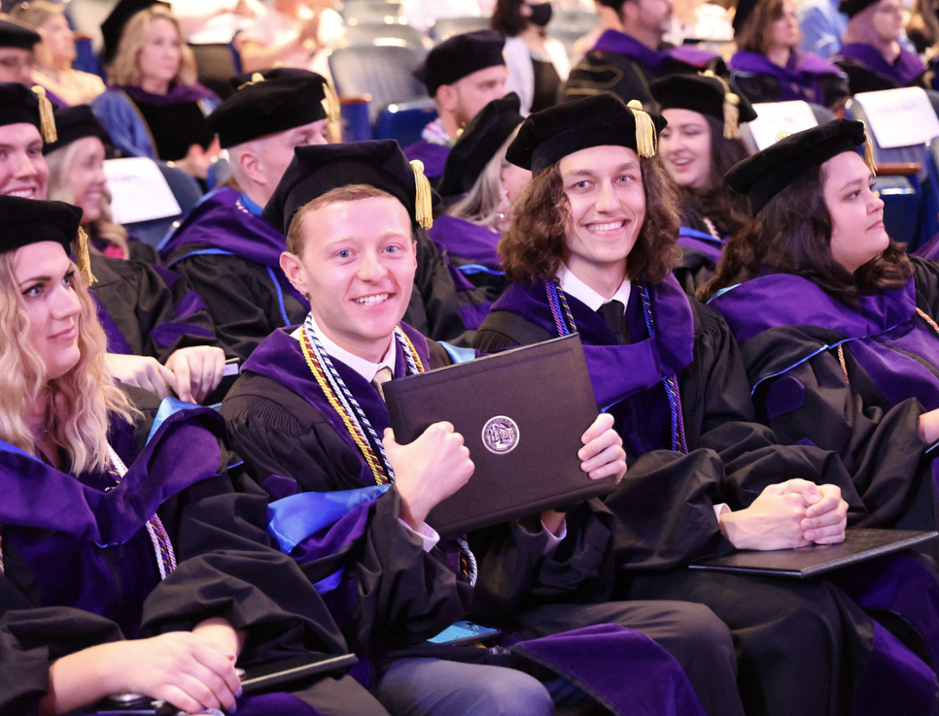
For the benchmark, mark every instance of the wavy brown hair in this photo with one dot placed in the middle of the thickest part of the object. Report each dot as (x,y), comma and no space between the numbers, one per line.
(792,234)
(533,247)
(756,35)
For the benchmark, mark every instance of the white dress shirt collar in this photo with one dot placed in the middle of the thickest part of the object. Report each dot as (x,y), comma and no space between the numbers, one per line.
(573,286)
(366,369)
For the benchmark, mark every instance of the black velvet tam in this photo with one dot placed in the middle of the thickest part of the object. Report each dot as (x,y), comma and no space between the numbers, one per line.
(460,56)
(767,173)
(478,144)
(29,221)
(853,7)
(548,136)
(18,105)
(13,34)
(113,26)
(318,169)
(74,123)
(276,103)
(704,95)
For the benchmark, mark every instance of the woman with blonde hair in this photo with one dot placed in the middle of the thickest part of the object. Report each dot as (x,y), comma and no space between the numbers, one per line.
(123,567)
(154,107)
(76,176)
(482,186)
(56,53)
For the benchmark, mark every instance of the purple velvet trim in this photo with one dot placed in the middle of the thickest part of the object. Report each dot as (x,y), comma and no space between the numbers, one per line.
(789,300)
(796,81)
(280,704)
(221,222)
(623,44)
(624,670)
(711,249)
(618,371)
(894,680)
(167,333)
(116,341)
(280,358)
(55,99)
(334,538)
(465,239)
(180,94)
(278,487)
(898,376)
(434,156)
(929,250)
(460,282)
(904,71)
(784,396)
(473,316)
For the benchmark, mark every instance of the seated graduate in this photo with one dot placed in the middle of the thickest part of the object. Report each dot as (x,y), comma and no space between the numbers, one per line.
(76,176)
(232,256)
(871,53)
(482,187)
(56,53)
(154,107)
(769,66)
(160,337)
(625,62)
(822,302)
(17,54)
(462,74)
(594,234)
(128,564)
(308,407)
(699,144)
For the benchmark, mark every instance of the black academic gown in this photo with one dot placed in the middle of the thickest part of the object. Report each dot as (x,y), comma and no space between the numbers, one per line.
(279,432)
(62,592)
(812,634)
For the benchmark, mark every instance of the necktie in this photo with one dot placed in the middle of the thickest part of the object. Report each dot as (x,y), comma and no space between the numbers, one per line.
(612,314)
(382,377)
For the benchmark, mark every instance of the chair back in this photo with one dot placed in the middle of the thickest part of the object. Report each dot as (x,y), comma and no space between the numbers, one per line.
(382,72)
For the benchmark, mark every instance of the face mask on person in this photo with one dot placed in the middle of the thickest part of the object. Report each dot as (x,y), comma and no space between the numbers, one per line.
(540,14)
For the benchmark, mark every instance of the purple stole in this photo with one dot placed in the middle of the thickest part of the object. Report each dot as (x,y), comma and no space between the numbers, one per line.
(905,71)
(798,80)
(434,156)
(220,223)
(623,44)
(180,94)
(702,242)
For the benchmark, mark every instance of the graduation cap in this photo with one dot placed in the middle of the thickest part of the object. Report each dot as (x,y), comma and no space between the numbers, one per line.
(478,144)
(460,56)
(29,221)
(21,105)
(74,123)
(271,102)
(14,34)
(705,94)
(318,169)
(768,172)
(853,7)
(113,26)
(548,136)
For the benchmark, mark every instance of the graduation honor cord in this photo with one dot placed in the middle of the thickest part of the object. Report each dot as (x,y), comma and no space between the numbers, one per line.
(565,325)
(162,547)
(353,416)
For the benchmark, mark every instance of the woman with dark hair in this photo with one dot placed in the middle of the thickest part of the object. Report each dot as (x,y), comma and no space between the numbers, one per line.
(836,324)
(769,66)
(871,53)
(538,65)
(590,250)
(698,146)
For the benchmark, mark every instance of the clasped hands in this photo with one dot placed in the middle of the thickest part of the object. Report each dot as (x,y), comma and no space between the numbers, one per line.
(794,513)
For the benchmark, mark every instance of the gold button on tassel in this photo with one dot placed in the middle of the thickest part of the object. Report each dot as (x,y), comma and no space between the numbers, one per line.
(423,204)
(646,139)
(46,120)
(255,78)
(83,258)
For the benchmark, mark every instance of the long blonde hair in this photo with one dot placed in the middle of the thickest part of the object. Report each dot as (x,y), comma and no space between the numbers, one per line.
(125,68)
(78,403)
(483,202)
(104,227)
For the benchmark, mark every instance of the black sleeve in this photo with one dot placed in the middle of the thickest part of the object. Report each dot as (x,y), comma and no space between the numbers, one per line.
(606,72)
(757,87)
(434,309)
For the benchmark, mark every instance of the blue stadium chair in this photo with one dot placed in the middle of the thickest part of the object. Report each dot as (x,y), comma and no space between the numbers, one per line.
(901,208)
(354,119)
(397,34)
(187,193)
(216,64)
(370,10)
(219,171)
(447,27)
(404,121)
(383,73)
(924,182)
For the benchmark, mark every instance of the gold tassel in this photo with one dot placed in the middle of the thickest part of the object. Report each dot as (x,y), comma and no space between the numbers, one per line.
(423,204)
(331,103)
(82,257)
(46,120)
(869,151)
(731,116)
(255,78)
(646,139)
